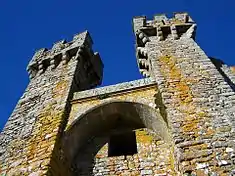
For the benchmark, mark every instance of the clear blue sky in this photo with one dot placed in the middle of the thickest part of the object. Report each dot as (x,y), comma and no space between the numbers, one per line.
(27,25)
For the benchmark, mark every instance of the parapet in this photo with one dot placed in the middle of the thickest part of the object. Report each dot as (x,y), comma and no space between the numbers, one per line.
(162,26)
(103,92)
(159,29)
(179,18)
(62,51)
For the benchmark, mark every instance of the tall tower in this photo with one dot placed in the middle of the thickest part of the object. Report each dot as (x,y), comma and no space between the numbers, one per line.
(197,93)
(38,120)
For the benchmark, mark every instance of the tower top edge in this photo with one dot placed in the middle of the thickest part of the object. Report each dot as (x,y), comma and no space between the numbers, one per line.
(80,39)
(162,19)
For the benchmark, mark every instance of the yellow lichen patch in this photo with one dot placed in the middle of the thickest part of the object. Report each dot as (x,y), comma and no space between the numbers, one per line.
(233,69)
(176,80)
(199,146)
(48,121)
(179,84)
(209,132)
(172,161)
(46,128)
(201,173)
(102,152)
(60,89)
(176,21)
(38,146)
(142,136)
(201,114)
(193,116)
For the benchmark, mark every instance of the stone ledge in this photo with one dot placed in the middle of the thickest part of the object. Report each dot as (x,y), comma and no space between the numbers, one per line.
(102,91)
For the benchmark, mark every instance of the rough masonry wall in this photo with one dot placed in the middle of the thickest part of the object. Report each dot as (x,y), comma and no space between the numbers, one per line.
(31,132)
(93,117)
(200,106)
(138,91)
(226,71)
(153,157)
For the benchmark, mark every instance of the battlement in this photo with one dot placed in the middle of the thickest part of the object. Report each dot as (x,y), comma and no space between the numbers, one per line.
(179,18)
(163,27)
(62,51)
(159,29)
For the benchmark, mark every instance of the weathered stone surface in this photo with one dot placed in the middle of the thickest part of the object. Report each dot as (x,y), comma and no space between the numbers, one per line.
(197,91)
(108,90)
(28,140)
(177,121)
(153,156)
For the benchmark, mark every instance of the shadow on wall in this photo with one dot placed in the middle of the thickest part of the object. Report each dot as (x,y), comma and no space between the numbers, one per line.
(219,64)
(105,155)
(89,139)
(84,162)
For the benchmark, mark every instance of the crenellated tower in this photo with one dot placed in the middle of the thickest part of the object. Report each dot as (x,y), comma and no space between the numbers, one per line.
(37,122)
(197,93)
(160,29)
(179,120)
(90,73)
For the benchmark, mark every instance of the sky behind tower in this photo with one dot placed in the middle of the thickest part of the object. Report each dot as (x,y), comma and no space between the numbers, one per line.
(29,25)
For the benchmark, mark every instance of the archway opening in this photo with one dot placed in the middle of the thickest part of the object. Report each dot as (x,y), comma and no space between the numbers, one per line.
(117,138)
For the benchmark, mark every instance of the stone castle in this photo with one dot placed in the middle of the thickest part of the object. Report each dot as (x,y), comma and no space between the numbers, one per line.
(179,120)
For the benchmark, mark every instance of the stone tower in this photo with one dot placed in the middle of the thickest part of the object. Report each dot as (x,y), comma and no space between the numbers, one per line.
(179,120)
(30,140)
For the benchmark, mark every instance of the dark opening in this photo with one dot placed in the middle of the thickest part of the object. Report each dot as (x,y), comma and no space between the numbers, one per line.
(166,30)
(182,29)
(122,144)
(150,31)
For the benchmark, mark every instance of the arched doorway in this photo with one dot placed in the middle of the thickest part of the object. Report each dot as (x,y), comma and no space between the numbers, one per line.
(119,138)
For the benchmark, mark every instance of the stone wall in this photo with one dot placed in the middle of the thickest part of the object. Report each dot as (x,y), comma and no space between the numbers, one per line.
(226,71)
(198,98)
(31,131)
(139,91)
(98,113)
(154,157)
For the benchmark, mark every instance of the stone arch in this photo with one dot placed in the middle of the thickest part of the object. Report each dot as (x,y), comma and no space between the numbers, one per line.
(101,120)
